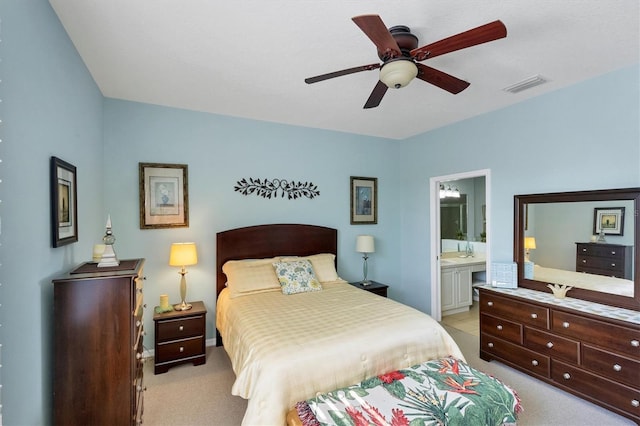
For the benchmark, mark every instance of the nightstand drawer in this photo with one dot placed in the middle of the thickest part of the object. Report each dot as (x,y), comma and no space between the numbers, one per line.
(373,287)
(179,328)
(179,349)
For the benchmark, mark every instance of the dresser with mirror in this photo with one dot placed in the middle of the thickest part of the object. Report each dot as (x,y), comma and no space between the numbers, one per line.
(587,343)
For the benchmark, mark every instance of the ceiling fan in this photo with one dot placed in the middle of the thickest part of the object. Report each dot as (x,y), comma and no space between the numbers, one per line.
(398,49)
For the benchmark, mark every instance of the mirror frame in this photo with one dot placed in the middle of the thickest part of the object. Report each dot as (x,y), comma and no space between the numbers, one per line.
(562,197)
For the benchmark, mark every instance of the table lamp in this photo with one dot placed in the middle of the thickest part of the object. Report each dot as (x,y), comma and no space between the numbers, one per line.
(183,254)
(529,244)
(365,245)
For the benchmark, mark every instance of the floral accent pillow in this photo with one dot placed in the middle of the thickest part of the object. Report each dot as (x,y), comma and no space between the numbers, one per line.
(296,276)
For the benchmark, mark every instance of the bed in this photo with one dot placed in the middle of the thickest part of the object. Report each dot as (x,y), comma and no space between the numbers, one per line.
(601,283)
(286,348)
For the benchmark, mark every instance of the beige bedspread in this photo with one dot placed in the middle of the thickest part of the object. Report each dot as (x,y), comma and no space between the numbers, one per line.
(594,282)
(285,349)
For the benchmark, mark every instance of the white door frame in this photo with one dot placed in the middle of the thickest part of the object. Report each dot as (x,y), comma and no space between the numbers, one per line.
(434,184)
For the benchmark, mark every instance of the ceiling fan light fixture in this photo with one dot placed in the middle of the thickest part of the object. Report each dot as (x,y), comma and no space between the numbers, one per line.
(398,73)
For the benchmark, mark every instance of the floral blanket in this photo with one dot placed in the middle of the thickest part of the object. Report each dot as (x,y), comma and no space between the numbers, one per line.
(445,391)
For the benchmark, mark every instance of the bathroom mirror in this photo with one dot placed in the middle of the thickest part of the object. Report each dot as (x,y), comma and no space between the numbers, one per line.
(556,225)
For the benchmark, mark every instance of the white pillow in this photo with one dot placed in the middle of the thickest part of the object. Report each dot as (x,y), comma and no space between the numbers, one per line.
(296,276)
(324,265)
(250,276)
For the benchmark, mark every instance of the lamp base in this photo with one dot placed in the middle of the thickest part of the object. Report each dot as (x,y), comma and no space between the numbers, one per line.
(365,282)
(184,306)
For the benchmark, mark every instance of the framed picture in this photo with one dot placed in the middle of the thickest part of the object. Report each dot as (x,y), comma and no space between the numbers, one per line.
(609,220)
(64,203)
(364,200)
(164,195)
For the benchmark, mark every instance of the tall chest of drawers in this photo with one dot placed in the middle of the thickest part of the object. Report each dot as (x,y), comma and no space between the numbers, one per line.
(612,260)
(98,331)
(592,356)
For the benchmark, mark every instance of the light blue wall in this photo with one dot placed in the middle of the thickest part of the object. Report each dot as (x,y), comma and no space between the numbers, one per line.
(50,107)
(583,137)
(222,150)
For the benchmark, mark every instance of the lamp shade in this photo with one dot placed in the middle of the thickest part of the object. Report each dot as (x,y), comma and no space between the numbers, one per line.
(183,254)
(365,244)
(530,242)
(398,73)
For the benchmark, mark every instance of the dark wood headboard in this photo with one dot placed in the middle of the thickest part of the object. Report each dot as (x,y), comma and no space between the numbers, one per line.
(256,242)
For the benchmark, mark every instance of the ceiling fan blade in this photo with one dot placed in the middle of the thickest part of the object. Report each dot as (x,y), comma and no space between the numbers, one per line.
(482,34)
(375,29)
(376,95)
(341,73)
(441,79)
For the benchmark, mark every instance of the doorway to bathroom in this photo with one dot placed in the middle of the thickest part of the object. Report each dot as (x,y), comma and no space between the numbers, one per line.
(460,213)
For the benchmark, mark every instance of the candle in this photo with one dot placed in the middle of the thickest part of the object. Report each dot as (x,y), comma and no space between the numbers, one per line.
(164,301)
(98,249)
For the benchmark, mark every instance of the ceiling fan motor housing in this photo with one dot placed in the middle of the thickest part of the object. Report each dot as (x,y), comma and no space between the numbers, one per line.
(406,41)
(397,72)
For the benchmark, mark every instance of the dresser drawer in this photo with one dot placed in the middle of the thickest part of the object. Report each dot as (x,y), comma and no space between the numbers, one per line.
(611,365)
(611,267)
(598,388)
(502,328)
(179,349)
(180,328)
(616,338)
(535,363)
(515,310)
(601,250)
(552,345)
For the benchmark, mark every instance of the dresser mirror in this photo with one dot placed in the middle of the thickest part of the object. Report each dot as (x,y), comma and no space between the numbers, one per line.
(586,239)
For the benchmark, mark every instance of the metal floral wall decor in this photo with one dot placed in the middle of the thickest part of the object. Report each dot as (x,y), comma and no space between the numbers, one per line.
(266,188)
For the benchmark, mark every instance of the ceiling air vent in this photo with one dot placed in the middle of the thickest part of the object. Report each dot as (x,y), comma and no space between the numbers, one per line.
(525,84)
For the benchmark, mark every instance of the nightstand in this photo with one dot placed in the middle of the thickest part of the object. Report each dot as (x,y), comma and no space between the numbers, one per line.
(180,337)
(375,287)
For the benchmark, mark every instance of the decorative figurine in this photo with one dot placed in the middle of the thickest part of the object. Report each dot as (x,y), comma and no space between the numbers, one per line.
(559,291)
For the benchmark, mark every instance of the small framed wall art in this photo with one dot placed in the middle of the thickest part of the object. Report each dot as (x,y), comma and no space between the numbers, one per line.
(609,220)
(164,195)
(364,200)
(64,203)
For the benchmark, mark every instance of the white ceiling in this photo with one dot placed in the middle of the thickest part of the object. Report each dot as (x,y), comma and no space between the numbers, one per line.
(250,58)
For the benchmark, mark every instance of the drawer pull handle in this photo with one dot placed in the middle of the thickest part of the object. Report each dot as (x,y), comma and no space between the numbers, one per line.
(565,324)
(181,328)
(635,343)
(635,403)
(584,261)
(489,303)
(490,344)
(499,327)
(181,349)
(534,316)
(613,252)
(534,362)
(617,367)
(549,345)
(613,265)
(584,250)
(566,376)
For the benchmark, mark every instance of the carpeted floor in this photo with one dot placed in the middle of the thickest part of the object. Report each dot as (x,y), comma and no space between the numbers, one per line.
(188,395)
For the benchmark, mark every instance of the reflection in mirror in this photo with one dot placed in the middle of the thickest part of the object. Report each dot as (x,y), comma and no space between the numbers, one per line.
(453,218)
(568,252)
(587,240)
